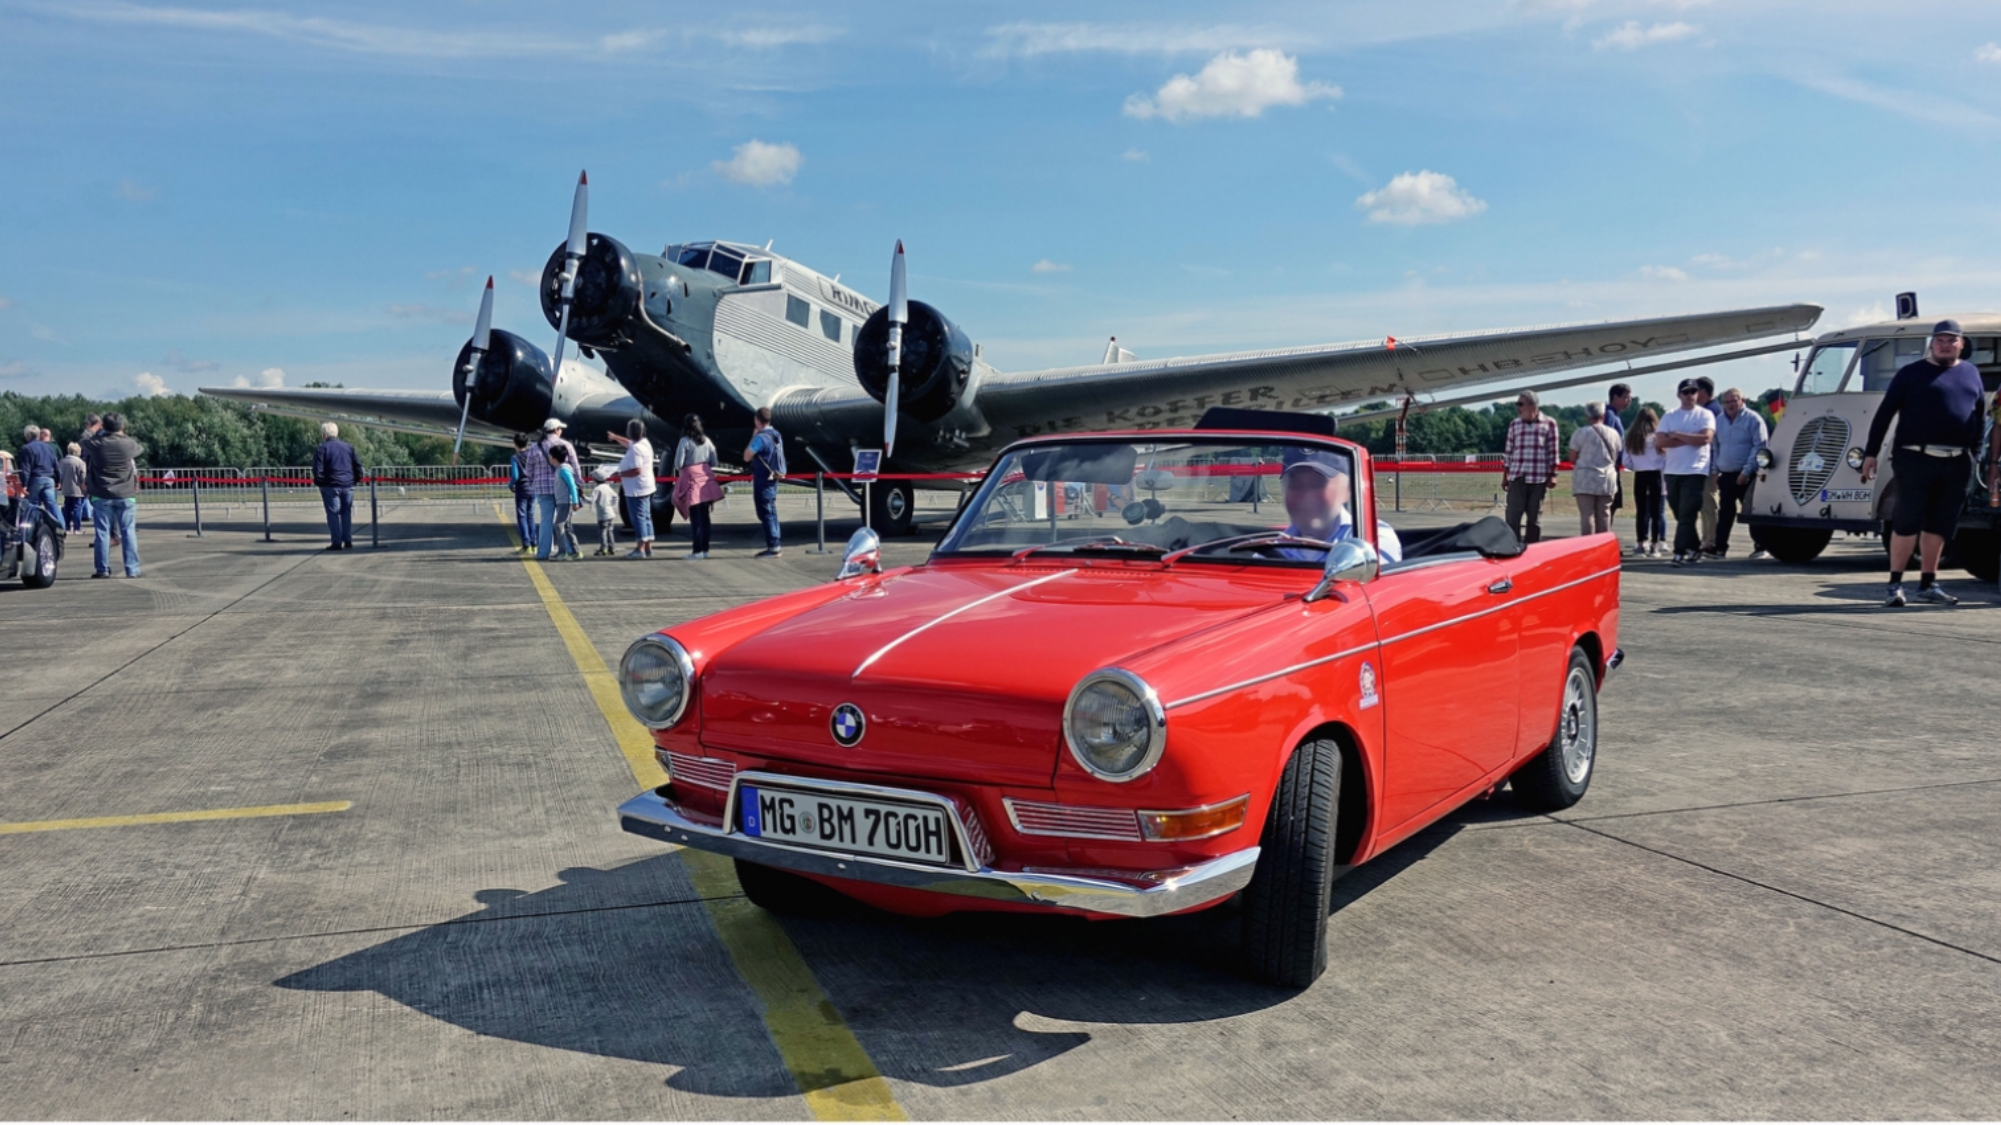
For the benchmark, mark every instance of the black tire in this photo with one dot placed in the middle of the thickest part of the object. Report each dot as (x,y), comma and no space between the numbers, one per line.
(1557,777)
(47,555)
(892,508)
(1979,550)
(783,892)
(1795,545)
(1285,906)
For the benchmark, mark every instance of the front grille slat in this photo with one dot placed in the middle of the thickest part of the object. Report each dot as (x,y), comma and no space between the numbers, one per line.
(709,773)
(1817,451)
(1033,818)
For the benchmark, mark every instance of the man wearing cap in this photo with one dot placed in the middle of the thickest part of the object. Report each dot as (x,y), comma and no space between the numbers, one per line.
(1683,439)
(1528,465)
(1936,401)
(1317,492)
(542,483)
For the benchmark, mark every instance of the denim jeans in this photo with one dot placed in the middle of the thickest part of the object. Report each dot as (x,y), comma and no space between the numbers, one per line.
(524,518)
(698,524)
(75,510)
(765,500)
(340,514)
(566,533)
(641,510)
(42,491)
(121,516)
(545,524)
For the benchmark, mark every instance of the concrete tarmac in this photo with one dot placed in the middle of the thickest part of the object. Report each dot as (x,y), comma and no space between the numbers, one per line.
(1780,899)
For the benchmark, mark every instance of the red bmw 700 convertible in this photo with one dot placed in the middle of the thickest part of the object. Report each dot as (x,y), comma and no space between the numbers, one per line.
(1141,674)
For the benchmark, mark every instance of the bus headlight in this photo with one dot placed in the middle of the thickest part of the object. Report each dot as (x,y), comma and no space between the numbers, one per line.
(1115,725)
(1764,458)
(656,677)
(1855,458)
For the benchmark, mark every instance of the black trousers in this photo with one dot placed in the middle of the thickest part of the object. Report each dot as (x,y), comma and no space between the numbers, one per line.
(1684,493)
(1729,498)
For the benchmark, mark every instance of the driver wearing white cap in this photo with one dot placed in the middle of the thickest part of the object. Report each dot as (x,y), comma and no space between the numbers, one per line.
(1317,492)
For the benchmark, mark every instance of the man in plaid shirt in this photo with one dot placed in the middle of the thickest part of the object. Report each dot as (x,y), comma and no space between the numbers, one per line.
(1528,465)
(542,483)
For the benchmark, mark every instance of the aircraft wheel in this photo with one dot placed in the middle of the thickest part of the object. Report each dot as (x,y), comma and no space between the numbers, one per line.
(47,555)
(892,508)
(1795,545)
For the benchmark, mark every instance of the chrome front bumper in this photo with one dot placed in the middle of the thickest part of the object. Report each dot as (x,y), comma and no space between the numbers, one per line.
(1151,894)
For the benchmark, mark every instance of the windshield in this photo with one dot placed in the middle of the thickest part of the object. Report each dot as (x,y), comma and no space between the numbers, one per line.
(1825,368)
(1272,500)
(1882,358)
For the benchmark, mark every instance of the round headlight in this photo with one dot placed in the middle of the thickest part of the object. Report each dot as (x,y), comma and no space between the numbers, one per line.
(656,677)
(1855,458)
(1764,458)
(1115,725)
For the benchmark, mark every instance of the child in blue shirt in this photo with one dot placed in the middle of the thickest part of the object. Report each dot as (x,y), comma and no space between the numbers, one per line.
(567,499)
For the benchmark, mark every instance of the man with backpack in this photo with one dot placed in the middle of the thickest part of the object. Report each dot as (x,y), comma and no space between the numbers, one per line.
(766,457)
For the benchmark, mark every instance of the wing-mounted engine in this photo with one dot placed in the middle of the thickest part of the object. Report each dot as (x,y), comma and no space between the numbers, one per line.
(938,370)
(513,387)
(606,297)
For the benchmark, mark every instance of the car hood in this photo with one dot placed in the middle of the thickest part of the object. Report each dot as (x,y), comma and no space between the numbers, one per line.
(961,671)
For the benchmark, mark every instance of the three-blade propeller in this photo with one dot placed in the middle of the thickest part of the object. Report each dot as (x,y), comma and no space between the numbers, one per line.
(573,254)
(482,335)
(899,315)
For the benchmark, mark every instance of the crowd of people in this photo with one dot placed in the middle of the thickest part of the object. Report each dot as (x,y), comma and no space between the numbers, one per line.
(94,480)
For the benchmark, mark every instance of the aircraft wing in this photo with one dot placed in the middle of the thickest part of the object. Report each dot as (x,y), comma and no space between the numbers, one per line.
(428,413)
(1174,392)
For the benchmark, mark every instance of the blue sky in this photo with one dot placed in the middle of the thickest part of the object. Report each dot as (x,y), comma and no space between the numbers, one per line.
(200,194)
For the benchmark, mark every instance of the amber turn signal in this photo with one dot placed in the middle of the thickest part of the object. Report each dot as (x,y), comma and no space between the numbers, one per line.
(1194,824)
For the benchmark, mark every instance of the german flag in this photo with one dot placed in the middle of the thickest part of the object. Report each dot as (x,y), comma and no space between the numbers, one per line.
(1777,405)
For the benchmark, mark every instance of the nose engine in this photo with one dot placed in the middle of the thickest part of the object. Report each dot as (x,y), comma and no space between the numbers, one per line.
(937,362)
(512,388)
(607,293)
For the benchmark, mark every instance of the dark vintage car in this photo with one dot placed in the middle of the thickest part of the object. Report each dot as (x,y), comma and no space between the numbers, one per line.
(1142,673)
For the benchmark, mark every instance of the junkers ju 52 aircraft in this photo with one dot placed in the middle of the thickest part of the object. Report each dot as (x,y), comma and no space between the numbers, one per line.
(722,328)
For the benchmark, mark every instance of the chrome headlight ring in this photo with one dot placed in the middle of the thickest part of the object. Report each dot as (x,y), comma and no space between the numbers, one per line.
(1114,725)
(656,678)
(1764,459)
(1855,457)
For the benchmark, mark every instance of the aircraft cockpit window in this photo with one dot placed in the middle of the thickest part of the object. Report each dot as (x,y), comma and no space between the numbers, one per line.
(830,326)
(756,272)
(694,257)
(725,263)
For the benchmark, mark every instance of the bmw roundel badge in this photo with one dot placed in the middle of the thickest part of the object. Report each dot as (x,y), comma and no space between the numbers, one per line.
(848,724)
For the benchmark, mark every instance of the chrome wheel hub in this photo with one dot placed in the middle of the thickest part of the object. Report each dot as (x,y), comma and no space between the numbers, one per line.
(1577,729)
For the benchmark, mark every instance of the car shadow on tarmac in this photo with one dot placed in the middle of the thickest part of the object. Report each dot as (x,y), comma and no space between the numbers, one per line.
(620,963)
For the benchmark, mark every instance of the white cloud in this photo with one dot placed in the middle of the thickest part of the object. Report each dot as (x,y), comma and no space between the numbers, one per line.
(761,165)
(1132,154)
(1026,40)
(15,369)
(451,277)
(271,378)
(132,192)
(1414,198)
(150,384)
(333,34)
(1047,266)
(526,277)
(1232,85)
(1630,36)
(1914,104)
(432,313)
(767,38)
(1989,53)
(1663,273)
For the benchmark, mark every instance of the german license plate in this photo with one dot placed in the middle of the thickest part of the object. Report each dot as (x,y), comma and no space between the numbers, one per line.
(1845,495)
(848,824)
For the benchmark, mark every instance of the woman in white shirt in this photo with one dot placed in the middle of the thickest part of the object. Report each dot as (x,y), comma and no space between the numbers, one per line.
(1649,493)
(635,476)
(695,485)
(1594,473)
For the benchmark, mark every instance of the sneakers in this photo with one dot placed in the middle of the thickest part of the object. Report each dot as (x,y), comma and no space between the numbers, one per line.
(768,553)
(635,553)
(1896,597)
(696,555)
(1932,595)
(1760,555)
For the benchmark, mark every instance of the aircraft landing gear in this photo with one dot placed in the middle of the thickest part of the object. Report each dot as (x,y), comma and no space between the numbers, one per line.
(892,507)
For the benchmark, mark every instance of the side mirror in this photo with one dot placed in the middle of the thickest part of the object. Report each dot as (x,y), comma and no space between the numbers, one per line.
(863,556)
(1349,560)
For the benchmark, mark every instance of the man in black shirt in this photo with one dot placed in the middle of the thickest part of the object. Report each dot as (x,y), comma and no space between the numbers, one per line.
(1937,401)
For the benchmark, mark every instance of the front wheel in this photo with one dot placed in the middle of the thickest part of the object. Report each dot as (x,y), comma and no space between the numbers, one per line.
(47,555)
(1795,545)
(1557,777)
(785,892)
(1285,906)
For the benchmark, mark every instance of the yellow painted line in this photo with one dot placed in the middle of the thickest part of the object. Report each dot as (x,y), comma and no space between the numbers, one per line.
(8,829)
(831,1067)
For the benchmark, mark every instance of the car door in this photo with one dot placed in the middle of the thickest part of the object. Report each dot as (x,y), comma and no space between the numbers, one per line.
(1450,692)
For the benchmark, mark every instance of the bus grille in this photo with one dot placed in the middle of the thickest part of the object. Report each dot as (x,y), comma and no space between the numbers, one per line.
(1817,450)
